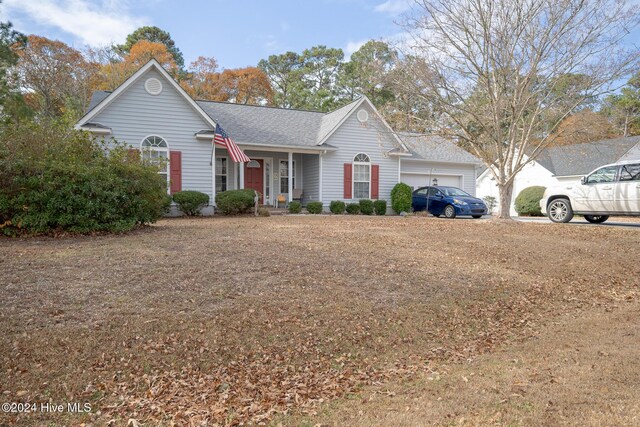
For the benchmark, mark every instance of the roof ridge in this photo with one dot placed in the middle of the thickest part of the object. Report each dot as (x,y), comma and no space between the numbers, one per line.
(263,106)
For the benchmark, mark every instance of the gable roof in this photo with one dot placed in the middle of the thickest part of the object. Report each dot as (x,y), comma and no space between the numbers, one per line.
(111,96)
(436,149)
(254,124)
(580,159)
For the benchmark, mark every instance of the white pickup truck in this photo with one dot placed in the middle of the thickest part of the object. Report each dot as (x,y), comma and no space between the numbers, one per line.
(609,190)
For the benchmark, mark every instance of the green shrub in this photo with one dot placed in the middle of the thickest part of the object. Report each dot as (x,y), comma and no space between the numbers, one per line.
(54,178)
(401,198)
(528,201)
(490,201)
(314,207)
(366,207)
(337,207)
(191,202)
(380,207)
(234,202)
(295,207)
(264,212)
(353,208)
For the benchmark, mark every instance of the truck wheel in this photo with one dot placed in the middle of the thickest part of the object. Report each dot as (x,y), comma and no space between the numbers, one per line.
(560,210)
(596,219)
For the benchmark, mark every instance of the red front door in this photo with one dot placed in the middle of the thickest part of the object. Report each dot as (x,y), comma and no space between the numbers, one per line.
(253,178)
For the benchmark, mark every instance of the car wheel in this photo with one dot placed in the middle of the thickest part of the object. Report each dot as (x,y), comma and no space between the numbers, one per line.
(560,210)
(449,212)
(476,216)
(596,219)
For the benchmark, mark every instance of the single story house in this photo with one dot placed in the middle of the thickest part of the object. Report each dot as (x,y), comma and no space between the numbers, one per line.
(347,154)
(565,164)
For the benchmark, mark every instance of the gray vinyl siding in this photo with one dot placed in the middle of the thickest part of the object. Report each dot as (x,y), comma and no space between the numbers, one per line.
(353,137)
(467,171)
(311,175)
(136,114)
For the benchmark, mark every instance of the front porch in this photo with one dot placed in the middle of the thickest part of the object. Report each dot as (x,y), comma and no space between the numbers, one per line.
(270,174)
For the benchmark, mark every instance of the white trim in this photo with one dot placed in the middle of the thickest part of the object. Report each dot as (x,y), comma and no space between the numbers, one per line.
(320,182)
(101,131)
(213,175)
(290,168)
(353,174)
(435,172)
(264,176)
(168,151)
(227,174)
(279,148)
(375,110)
(116,93)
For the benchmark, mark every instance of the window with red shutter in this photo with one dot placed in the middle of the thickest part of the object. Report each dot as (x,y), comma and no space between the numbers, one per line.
(375,173)
(175,171)
(347,180)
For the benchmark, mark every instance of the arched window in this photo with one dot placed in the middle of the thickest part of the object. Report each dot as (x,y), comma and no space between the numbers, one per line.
(361,176)
(155,150)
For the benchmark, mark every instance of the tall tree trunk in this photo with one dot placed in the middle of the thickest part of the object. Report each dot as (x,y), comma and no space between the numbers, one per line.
(505,191)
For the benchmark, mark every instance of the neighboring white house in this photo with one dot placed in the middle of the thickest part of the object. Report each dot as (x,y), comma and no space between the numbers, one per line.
(563,165)
(348,154)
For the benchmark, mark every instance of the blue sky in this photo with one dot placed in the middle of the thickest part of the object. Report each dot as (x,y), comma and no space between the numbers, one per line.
(237,33)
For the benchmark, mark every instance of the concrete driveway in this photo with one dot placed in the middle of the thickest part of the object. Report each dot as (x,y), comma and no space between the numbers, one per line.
(611,222)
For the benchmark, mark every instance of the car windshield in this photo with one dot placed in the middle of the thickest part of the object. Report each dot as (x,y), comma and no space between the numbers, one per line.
(453,191)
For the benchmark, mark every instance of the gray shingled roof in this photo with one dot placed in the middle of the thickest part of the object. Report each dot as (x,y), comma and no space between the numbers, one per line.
(254,124)
(436,149)
(580,159)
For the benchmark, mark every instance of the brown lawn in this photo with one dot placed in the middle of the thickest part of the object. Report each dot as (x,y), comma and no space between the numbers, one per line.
(305,320)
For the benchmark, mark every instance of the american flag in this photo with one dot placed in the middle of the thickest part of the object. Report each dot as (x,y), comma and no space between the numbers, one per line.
(222,138)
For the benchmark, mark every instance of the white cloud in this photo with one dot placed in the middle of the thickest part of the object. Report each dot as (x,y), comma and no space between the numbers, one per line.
(90,23)
(393,7)
(352,47)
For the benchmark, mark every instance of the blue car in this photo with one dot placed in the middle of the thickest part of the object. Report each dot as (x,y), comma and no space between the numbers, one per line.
(447,201)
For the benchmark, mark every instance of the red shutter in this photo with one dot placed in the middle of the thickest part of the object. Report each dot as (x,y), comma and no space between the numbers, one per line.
(375,173)
(175,171)
(347,180)
(133,154)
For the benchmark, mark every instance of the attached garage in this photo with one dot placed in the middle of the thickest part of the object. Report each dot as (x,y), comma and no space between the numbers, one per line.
(416,180)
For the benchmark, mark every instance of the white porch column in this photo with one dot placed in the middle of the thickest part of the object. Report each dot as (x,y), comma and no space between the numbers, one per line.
(290,169)
(400,169)
(320,179)
(241,169)
(212,202)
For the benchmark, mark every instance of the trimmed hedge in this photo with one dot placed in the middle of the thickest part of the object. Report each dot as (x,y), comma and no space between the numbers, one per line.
(401,198)
(314,207)
(366,207)
(380,207)
(295,207)
(353,208)
(191,202)
(234,202)
(337,207)
(55,179)
(528,201)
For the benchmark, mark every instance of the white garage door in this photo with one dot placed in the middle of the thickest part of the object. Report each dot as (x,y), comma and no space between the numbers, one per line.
(416,180)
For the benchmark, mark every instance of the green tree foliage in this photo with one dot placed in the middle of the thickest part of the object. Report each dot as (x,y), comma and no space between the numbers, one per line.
(623,109)
(152,34)
(53,178)
(307,80)
(367,72)
(10,42)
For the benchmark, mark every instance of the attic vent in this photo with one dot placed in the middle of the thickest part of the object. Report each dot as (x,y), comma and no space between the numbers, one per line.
(153,86)
(363,116)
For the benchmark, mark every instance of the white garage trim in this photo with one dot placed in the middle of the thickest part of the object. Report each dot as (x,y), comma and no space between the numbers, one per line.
(436,174)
